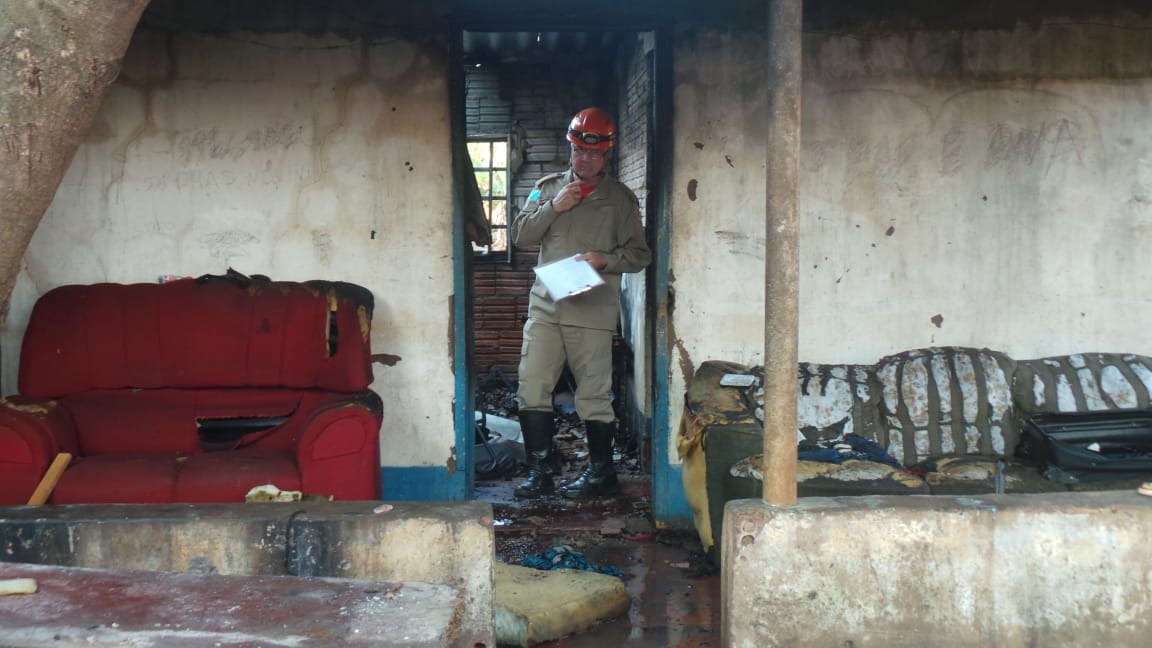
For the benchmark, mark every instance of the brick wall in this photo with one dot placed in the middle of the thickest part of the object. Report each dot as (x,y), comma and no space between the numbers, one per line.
(501,307)
(636,103)
(633,384)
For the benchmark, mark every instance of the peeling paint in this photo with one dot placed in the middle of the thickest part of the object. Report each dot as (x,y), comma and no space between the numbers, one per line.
(364,319)
(687,368)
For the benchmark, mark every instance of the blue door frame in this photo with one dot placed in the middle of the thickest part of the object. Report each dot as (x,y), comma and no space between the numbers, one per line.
(669,504)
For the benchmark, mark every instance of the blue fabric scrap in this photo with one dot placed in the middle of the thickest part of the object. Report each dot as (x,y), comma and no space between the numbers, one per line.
(565,557)
(859,448)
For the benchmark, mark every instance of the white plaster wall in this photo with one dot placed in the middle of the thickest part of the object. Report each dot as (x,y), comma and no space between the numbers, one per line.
(636,332)
(1017,211)
(286,155)
(717,248)
(999,180)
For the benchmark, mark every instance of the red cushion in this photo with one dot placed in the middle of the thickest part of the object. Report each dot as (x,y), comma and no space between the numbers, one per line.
(340,438)
(21,458)
(228,476)
(242,403)
(14,448)
(188,334)
(118,479)
(17,482)
(339,455)
(42,422)
(134,421)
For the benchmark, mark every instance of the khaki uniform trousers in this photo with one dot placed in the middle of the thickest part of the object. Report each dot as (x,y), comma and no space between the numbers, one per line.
(589,355)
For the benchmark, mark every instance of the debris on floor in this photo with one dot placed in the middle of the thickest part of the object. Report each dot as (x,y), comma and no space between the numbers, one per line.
(18,586)
(565,557)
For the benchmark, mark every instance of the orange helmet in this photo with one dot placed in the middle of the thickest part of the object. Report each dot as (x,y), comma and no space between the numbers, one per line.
(592,128)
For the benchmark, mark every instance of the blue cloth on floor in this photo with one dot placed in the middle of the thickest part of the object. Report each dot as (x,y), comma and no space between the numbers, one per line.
(564,557)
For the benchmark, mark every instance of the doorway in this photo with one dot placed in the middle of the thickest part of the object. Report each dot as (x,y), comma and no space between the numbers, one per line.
(514,93)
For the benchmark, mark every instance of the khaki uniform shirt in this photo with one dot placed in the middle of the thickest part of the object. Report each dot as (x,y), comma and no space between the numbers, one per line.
(605,221)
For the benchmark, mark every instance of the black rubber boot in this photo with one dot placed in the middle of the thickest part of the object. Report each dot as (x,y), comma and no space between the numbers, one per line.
(537,428)
(599,478)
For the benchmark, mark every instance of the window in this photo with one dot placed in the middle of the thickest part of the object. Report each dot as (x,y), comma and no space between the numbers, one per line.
(490,163)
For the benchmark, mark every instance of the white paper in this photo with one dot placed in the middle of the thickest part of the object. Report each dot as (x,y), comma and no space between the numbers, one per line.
(568,277)
(738,380)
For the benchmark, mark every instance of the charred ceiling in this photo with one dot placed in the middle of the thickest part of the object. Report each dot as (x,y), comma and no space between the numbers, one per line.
(899,15)
(538,46)
(565,22)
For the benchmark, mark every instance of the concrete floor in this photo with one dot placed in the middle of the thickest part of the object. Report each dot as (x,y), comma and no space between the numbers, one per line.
(72,606)
(675,593)
(221,552)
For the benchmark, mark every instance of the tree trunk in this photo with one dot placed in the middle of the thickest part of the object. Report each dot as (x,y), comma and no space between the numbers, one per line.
(57,59)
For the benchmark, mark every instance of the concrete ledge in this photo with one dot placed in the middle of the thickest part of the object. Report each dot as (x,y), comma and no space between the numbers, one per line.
(443,543)
(533,606)
(1067,569)
(98,607)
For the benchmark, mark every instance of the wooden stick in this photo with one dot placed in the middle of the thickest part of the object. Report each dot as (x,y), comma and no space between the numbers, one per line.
(44,488)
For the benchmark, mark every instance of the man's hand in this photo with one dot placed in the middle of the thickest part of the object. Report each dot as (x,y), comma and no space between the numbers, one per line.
(596,259)
(568,197)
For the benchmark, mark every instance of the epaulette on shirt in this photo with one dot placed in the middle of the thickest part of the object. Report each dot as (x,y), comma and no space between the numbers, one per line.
(549,177)
(535,195)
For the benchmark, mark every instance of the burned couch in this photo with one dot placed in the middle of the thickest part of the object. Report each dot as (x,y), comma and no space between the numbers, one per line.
(942,420)
(194,391)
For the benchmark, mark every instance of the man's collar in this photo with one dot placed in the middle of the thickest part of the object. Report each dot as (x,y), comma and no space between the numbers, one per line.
(570,175)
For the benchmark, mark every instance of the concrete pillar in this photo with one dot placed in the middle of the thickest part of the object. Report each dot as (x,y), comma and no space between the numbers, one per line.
(781,261)
(900,571)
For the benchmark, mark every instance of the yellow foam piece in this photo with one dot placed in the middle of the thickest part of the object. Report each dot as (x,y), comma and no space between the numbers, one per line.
(533,606)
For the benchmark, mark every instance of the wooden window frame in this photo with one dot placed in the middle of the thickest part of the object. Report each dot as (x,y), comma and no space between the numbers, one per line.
(500,231)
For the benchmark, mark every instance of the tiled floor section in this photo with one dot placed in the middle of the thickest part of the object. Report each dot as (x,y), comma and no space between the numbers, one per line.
(675,596)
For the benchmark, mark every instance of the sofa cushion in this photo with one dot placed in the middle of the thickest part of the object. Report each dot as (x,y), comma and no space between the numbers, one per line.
(168,420)
(228,476)
(134,421)
(1083,382)
(119,479)
(190,334)
(946,400)
(971,474)
(825,479)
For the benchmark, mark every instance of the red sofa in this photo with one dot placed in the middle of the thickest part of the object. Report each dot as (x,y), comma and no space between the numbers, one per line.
(194,391)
